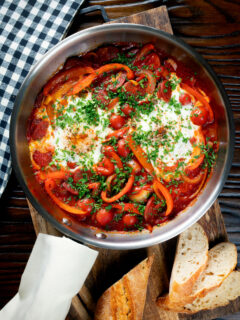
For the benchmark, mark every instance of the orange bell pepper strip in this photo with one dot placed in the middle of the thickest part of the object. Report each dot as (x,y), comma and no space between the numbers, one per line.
(197,156)
(140,155)
(204,176)
(61,174)
(113,103)
(115,67)
(200,98)
(86,82)
(124,190)
(158,186)
(128,207)
(117,133)
(82,84)
(49,185)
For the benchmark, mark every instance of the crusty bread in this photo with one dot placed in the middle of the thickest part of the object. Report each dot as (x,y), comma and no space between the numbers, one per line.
(125,299)
(228,291)
(222,260)
(190,260)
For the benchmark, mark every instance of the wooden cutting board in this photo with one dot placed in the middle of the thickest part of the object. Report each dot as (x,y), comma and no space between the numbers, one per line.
(111,265)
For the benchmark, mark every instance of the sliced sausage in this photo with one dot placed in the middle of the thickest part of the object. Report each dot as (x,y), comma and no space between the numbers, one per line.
(42,158)
(38,129)
(107,53)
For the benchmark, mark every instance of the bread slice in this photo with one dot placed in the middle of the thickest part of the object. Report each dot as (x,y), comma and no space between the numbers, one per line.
(125,299)
(228,291)
(190,260)
(222,259)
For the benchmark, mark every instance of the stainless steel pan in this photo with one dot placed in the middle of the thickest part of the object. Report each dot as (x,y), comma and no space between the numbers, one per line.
(88,40)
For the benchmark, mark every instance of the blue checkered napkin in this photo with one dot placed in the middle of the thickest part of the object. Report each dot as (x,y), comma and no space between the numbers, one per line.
(28,28)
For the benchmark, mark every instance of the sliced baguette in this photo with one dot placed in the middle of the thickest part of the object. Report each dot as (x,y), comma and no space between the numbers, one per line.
(222,260)
(125,299)
(228,291)
(190,261)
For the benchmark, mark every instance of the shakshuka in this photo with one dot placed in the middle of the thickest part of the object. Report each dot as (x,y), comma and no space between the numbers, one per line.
(123,137)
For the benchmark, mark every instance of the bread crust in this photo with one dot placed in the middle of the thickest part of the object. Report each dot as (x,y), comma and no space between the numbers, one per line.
(179,293)
(166,303)
(218,297)
(125,299)
(191,297)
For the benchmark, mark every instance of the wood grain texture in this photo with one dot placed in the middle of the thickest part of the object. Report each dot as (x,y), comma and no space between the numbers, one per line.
(212,28)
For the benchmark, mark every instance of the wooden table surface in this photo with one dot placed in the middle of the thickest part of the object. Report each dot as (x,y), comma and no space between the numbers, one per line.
(212,27)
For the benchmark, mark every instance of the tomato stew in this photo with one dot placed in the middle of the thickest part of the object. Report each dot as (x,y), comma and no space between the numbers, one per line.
(123,137)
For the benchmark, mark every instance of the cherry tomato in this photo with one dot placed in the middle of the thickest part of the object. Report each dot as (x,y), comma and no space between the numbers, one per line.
(141,178)
(164,91)
(117,121)
(161,72)
(193,140)
(185,99)
(104,217)
(129,220)
(199,116)
(135,165)
(86,205)
(127,110)
(71,165)
(105,167)
(122,148)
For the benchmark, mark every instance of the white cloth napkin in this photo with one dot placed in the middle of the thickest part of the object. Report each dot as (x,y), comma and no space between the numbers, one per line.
(55,272)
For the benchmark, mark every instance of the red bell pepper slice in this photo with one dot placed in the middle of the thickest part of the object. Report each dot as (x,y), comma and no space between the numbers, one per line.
(143,52)
(158,186)
(49,186)
(65,76)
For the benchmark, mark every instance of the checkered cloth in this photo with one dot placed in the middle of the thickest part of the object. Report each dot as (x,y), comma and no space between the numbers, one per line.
(28,29)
